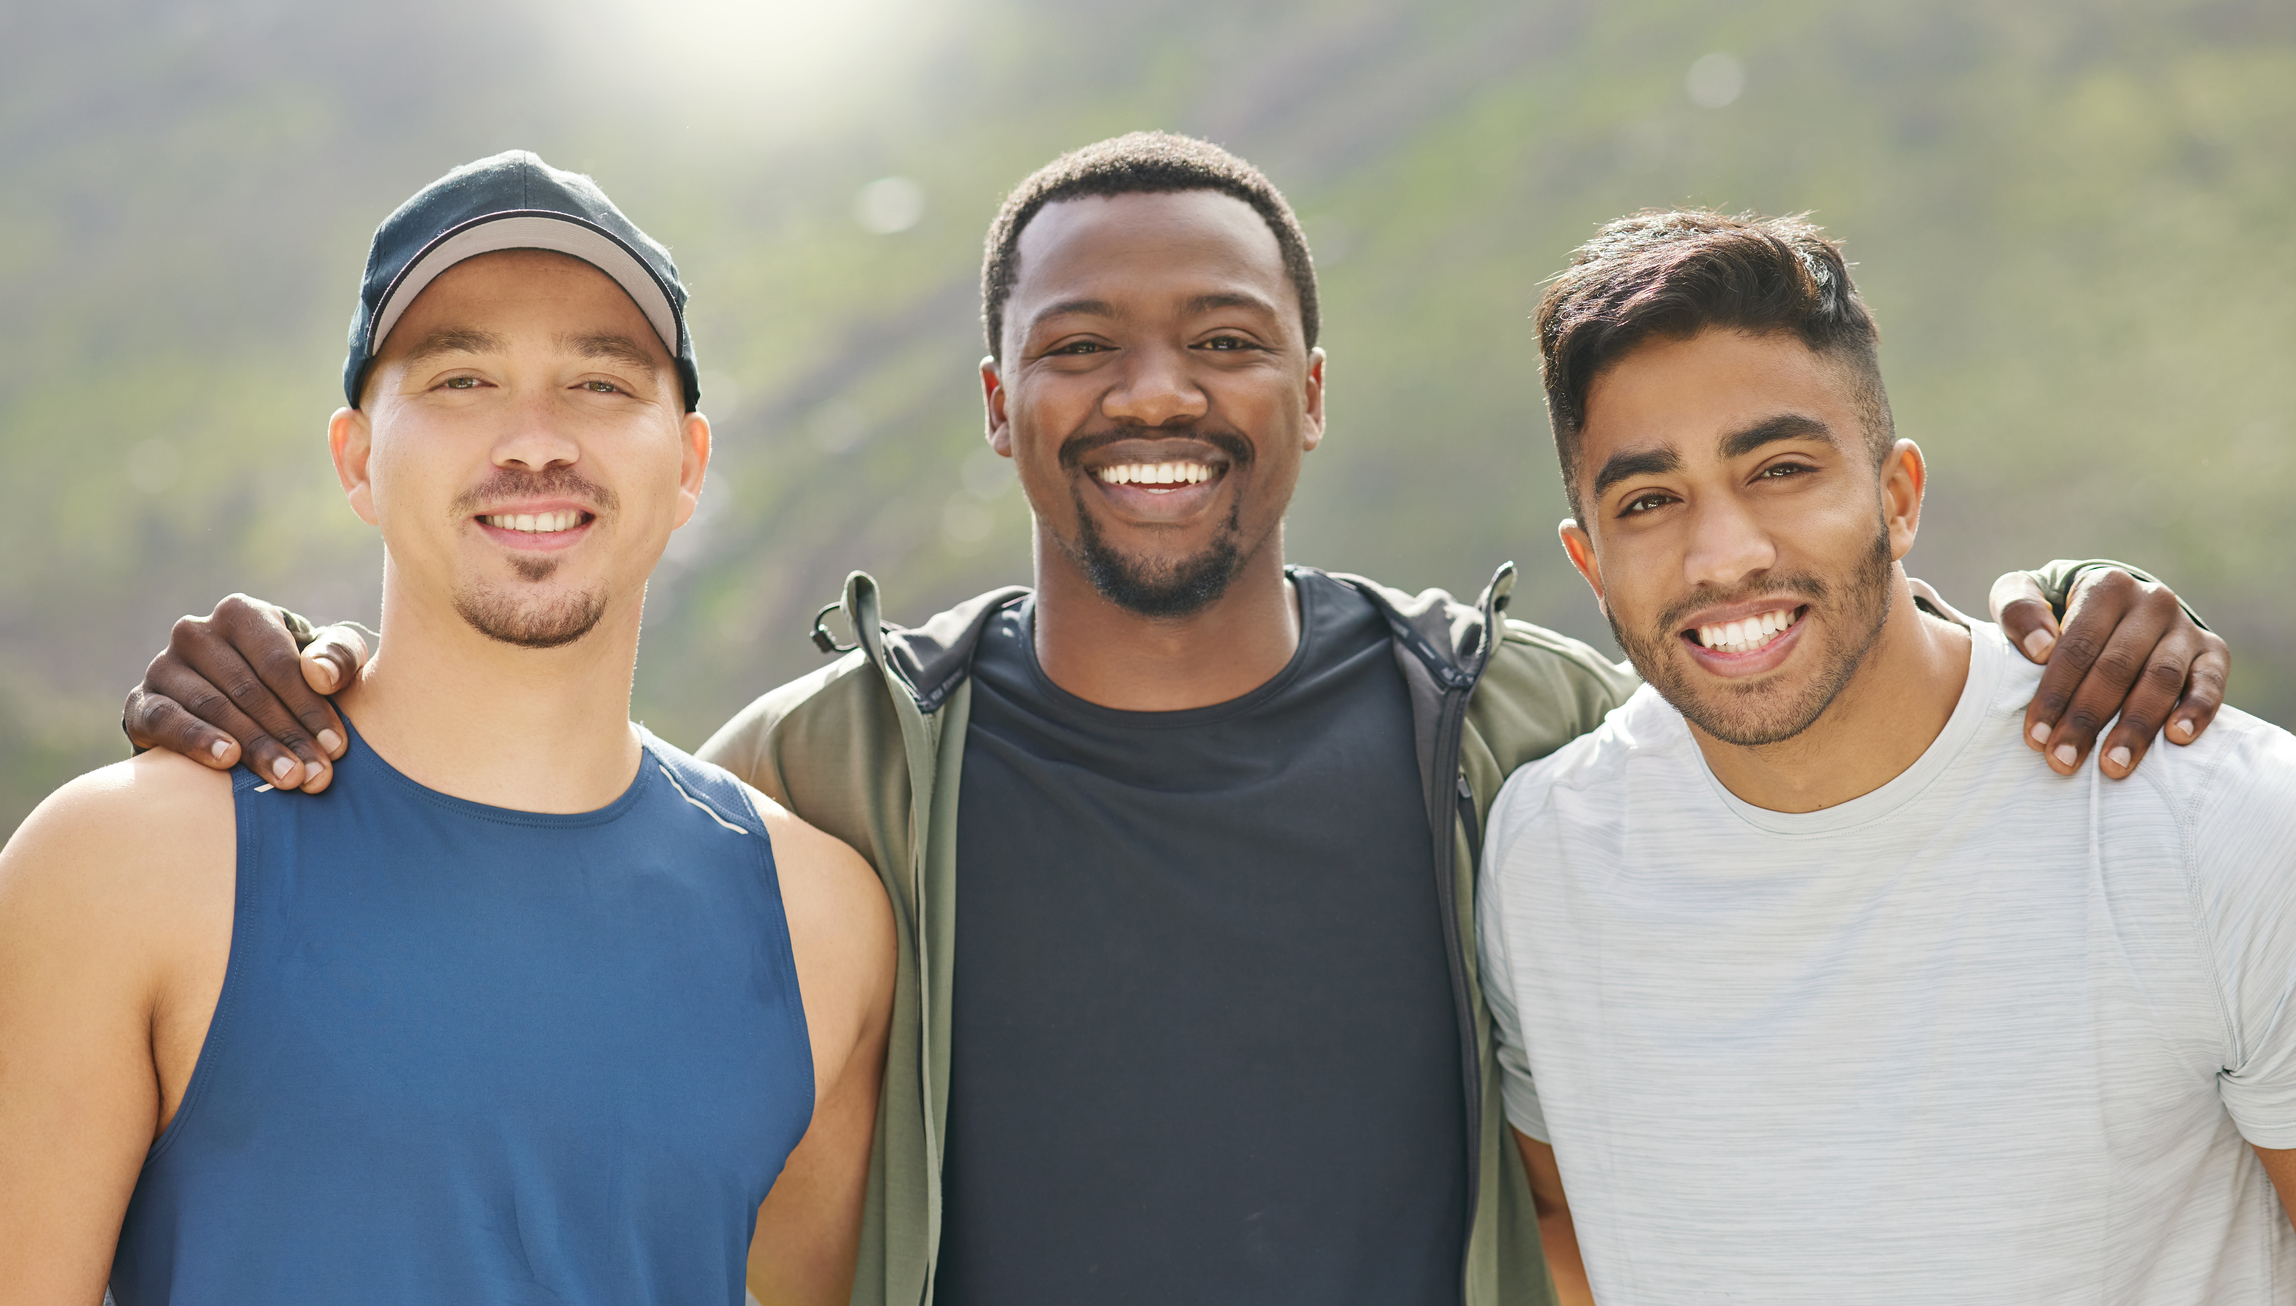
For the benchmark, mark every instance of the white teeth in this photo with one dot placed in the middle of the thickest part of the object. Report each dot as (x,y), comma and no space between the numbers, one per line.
(543,523)
(1180,473)
(1746,634)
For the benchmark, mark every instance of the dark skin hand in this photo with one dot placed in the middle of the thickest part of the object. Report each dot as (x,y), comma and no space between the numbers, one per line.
(232,683)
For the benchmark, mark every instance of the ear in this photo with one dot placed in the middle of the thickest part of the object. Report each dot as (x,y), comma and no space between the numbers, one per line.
(1314,398)
(993,401)
(350,438)
(1580,546)
(1904,475)
(693,466)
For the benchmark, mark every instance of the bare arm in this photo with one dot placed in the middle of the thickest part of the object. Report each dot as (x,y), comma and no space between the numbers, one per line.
(1557,1235)
(841,930)
(2280,1165)
(115,920)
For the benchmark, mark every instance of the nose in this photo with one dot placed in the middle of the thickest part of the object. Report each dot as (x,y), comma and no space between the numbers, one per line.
(1727,544)
(1155,388)
(531,438)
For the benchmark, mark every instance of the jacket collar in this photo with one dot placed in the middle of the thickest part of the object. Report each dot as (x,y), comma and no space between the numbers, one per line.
(932,659)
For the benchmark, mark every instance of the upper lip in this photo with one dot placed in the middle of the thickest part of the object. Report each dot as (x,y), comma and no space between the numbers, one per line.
(1729,612)
(1152,450)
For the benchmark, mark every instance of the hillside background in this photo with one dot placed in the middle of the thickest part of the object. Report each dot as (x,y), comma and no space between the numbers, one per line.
(2072,217)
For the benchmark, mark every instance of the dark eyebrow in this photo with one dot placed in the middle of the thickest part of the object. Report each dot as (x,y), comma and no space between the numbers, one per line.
(455,340)
(1089,307)
(1229,299)
(612,348)
(1633,463)
(1792,426)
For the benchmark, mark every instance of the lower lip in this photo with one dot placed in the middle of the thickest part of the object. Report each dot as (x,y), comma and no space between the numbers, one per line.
(1737,666)
(538,541)
(1161,501)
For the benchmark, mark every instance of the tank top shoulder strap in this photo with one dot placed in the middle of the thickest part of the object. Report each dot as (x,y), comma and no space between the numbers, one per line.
(712,789)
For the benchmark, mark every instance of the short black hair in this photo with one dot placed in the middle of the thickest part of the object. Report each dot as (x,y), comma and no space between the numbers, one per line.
(1672,273)
(1139,164)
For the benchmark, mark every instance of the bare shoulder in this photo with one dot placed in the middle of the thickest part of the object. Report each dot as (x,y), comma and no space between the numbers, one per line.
(840,924)
(115,895)
(131,837)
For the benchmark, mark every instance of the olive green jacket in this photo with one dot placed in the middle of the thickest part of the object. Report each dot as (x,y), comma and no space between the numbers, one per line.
(870,749)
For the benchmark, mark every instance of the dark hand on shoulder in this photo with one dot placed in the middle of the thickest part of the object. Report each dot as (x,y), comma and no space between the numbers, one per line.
(2128,646)
(249,680)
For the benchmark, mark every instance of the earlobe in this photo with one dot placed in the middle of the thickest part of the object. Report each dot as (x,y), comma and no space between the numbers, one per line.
(1315,362)
(693,468)
(993,403)
(1579,546)
(1903,479)
(350,441)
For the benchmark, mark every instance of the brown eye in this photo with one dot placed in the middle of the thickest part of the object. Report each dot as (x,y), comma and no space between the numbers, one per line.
(601,387)
(461,382)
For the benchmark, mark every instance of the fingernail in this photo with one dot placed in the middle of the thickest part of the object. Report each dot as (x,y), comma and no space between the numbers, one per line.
(219,748)
(2038,644)
(2119,757)
(327,673)
(2181,729)
(282,766)
(330,741)
(2066,755)
(2040,732)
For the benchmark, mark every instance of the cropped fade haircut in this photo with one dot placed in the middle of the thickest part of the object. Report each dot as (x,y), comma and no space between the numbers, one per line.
(1142,163)
(1670,274)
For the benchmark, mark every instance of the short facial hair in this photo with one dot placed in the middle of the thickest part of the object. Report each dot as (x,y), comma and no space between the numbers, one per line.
(500,614)
(1180,589)
(1863,609)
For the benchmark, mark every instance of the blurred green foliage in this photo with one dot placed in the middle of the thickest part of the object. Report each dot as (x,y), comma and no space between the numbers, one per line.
(2070,215)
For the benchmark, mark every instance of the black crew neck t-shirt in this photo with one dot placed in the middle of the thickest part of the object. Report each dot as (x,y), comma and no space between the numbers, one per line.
(1203,1042)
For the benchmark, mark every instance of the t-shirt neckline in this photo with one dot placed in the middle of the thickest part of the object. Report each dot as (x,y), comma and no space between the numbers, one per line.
(1301,578)
(1987,661)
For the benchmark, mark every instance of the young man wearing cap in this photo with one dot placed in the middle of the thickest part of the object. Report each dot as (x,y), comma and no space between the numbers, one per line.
(532,1007)
(1815,987)
(1180,844)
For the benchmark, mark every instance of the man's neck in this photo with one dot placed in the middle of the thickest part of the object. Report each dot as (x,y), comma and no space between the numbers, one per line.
(1892,710)
(1117,658)
(535,730)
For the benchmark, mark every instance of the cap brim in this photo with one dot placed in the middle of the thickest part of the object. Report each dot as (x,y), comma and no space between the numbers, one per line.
(530,230)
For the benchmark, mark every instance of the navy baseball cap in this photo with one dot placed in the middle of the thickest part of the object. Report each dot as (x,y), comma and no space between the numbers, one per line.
(513,201)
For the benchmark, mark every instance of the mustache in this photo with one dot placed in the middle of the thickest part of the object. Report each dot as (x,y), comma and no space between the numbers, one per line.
(1073,453)
(1810,588)
(549,483)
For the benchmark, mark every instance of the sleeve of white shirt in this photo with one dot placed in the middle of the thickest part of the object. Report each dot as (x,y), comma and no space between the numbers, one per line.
(2242,859)
(1498,972)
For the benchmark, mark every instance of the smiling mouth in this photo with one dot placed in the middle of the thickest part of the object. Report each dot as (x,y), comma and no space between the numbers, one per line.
(538,523)
(1748,634)
(1159,476)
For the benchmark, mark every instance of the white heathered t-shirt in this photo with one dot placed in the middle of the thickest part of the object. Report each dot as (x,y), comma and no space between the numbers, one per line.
(1986,1034)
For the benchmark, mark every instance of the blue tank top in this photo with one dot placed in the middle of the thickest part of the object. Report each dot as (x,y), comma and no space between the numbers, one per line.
(468,1054)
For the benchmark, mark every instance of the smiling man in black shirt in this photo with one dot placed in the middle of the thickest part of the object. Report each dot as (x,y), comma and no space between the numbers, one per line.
(1180,846)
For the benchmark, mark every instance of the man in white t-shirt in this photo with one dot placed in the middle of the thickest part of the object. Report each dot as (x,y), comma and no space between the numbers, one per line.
(1808,985)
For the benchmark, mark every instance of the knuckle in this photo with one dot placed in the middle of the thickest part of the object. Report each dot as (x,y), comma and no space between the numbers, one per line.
(204,702)
(2084,720)
(2164,675)
(2079,645)
(2119,665)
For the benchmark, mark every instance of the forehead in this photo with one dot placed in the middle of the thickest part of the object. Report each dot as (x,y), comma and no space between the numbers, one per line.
(1142,246)
(1687,394)
(516,292)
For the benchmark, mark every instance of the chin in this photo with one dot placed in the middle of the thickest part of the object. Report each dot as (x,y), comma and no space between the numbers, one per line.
(531,621)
